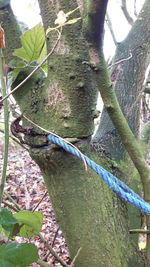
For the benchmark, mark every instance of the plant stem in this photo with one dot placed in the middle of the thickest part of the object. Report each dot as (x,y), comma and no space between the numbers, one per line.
(39,202)
(139,231)
(6,128)
(109,24)
(15,140)
(12,200)
(52,251)
(10,206)
(76,256)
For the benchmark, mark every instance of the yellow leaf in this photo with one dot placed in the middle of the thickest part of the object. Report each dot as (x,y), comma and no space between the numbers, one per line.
(72,11)
(142,245)
(61,18)
(49,30)
(71,21)
(52,29)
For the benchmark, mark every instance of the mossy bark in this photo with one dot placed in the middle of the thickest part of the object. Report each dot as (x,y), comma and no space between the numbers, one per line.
(12,31)
(128,77)
(91,216)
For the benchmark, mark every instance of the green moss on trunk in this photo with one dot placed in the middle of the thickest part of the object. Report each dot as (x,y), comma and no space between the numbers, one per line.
(90,215)
(86,209)
(12,31)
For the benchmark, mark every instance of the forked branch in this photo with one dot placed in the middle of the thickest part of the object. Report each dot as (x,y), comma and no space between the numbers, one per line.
(109,24)
(126,13)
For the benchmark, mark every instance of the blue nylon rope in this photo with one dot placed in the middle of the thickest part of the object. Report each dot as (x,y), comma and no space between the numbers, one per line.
(114,183)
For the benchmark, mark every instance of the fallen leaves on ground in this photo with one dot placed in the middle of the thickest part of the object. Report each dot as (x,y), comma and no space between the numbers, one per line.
(25,185)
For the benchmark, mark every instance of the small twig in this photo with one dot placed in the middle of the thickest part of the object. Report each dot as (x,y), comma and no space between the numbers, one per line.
(16,141)
(9,205)
(135,12)
(126,13)
(109,24)
(39,201)
(12,200)
(52,251)
(139,231)
(55,237)
(121,60)
(26,193)
(74,259)
(46,256)
(37,68)
(44,264)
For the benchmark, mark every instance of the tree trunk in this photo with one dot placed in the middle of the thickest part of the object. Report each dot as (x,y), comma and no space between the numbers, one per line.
(128,78)
(91,216)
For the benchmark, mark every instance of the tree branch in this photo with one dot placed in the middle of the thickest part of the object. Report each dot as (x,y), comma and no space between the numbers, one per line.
(126,13)
(135,12)
(109,24)
(121,125)
(95,25)
(120,61)
(113,108)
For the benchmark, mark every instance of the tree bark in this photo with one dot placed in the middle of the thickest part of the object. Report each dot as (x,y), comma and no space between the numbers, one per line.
(91,216)
(128,77)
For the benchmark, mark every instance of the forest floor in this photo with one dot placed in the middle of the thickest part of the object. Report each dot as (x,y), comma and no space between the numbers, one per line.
(25,185)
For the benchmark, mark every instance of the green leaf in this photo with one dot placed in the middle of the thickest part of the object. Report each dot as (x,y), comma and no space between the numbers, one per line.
(32,223)
(14,254)
(32,44)
(6,264)
(7,220)
(17,66)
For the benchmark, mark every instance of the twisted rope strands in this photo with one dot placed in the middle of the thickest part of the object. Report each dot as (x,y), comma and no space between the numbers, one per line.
(114,183)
